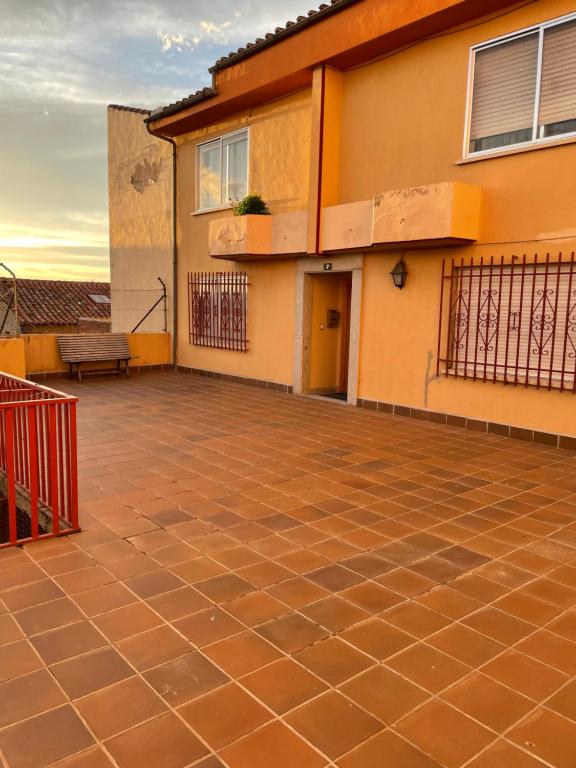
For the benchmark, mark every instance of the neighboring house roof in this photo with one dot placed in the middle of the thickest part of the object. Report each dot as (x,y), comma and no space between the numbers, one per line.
(270,38)
(60,302)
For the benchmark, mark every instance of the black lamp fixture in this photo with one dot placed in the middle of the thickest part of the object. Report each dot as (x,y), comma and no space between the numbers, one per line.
(399,274)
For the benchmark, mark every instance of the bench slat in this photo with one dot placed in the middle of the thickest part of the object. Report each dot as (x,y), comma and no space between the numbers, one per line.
(95,347)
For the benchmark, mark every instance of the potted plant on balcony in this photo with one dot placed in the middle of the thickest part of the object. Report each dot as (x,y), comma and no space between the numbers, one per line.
(251,205)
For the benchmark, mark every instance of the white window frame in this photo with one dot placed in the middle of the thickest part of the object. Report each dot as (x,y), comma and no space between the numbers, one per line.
(535,141)
(220,140)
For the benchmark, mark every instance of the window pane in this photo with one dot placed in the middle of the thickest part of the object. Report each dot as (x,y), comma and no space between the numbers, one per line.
(504,94)
(209,176)
(235,176)
(558,92)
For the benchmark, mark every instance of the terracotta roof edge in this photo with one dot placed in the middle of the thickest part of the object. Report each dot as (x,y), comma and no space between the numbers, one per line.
(122,108)
(291,28)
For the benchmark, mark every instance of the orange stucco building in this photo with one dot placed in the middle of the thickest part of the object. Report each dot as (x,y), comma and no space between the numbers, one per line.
(437,136)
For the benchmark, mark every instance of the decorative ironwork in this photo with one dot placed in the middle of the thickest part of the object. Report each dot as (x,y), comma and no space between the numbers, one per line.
(512,321)
(217,309)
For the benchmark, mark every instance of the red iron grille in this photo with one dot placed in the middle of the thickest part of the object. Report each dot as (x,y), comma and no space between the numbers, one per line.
(217,309)
(513,321)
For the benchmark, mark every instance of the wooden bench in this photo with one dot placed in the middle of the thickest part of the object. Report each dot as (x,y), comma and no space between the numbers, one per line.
(76,349)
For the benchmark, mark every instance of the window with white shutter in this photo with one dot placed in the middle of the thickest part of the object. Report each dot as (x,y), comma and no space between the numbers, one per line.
(514,323)
(523,88)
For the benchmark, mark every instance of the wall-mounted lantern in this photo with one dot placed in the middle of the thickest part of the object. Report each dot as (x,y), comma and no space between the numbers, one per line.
(399,274)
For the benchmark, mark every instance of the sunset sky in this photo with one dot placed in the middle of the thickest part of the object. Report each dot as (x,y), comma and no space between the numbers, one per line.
(61,63)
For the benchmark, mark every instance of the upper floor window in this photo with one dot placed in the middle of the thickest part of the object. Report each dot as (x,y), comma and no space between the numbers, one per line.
(223,170)
(524,88)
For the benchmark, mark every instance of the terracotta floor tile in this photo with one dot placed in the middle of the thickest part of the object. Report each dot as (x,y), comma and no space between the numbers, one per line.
(90,758)
(164,742)
(428,667)
(334,578)
(384,694)
(499,625)
(564,701)
(292,633)
(528,608)
(548,736)
(154,583)
(449,602)
(72,640)
(264,574)
(74,582)
(415,619)
(225,715)
(119,707)
(9,630)
(372,597)
(178,603)
(221,589)
(333,660)
(185,678)
(367,565)
(423,727)
(335,613)
(127,621)
(208,626)
(525,675)
(502,754)
(406,582)
(237,500)
(256,608)
(157,646)
(387,749)
(105,598)
(377,639)
(241,654)
(28,595)
(332,724)
(41,618)
(283,685)
(565,626)
(90,672)
(28,695)
(17,659)
(466,644)
(199,569)
(297,592)
(44,739)
(273,745)
(551,649)
(485,700)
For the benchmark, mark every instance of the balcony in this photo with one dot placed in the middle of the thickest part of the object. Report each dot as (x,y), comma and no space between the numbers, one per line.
(447,213)
(240,238)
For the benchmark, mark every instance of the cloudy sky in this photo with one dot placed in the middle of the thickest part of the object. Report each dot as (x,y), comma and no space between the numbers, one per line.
(61,63)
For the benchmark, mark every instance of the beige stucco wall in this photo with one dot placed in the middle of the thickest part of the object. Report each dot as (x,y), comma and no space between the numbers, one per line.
(140,205)
(279,142)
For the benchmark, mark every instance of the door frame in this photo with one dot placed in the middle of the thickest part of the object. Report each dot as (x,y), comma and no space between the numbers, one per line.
(303,321)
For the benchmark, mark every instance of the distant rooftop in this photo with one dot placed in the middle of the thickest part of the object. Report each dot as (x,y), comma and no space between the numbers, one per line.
(60,302)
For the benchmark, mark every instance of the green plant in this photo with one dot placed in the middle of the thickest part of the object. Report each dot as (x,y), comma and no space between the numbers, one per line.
(251,204)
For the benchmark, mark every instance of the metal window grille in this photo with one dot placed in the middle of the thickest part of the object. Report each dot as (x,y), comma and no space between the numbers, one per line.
(217,309)
(510,322)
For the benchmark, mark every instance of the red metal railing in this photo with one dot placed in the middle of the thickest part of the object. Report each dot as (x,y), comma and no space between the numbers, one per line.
(512,321)
(217,309)
(38,462)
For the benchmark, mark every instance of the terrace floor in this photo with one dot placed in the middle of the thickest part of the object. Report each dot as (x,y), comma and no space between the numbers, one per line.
(267,581)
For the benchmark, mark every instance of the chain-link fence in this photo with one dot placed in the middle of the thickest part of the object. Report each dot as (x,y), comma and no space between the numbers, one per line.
(139,311)
(9,325)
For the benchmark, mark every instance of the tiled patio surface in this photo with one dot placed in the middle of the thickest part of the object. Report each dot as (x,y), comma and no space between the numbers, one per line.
(266,581)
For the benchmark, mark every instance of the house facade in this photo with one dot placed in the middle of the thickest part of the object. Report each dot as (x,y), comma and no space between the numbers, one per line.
(435,141)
